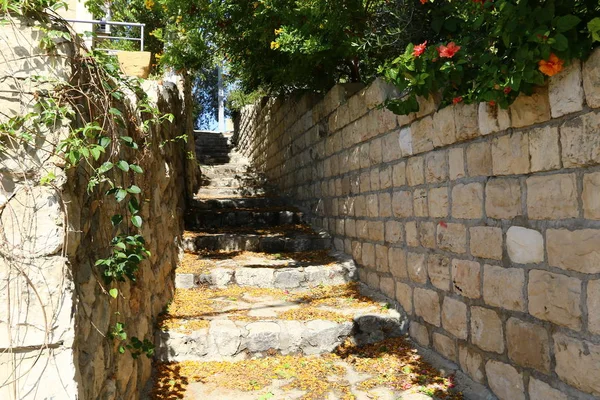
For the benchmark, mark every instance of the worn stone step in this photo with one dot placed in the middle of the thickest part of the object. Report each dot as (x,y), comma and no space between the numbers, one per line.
(230,169)
(238,203)
(240,322)
(198,219)
(224,192)
(292,241)
(282,271)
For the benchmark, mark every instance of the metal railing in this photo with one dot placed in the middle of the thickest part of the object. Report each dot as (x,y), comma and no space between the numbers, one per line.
(103,36)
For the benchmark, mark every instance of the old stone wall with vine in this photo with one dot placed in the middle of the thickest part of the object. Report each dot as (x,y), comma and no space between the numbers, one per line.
(95,170)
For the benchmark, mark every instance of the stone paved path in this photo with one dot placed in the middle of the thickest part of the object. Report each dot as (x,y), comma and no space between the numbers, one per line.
(265,310)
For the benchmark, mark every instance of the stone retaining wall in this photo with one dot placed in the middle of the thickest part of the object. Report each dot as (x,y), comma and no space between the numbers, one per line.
(483,223)
(55,313)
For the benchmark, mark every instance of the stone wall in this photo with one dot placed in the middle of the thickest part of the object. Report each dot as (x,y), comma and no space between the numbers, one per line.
(55,312)
(483,223)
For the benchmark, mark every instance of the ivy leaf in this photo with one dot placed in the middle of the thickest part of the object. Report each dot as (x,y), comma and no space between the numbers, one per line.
(120,195)
(104,141)
(136,168)
(123,165)
(115,111)
(113,293)
(116,219)
(567,22)
(136,220)
(133,205)
(104,168)
(133,189)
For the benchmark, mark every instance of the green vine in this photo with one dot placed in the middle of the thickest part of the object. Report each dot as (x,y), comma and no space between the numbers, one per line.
(93,108)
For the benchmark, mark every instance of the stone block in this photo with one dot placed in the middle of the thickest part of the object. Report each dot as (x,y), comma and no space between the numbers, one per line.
(375,152)
(418,333)
(503,287)
(539,390)
(555,298)
(438,270)
(422,132)
(416,264)
(426,234)
(381,258)
(436,167)
(404,296)
(378,92)
(577,250)
(399,174)
(427,105)
(373,206)
(593,306)
(420,203)
(402,204)
(591,79)
(415,172)
(393,232)
(528,345)
(479,159)
(552,197)
(467,200)
(577,363)
(365,182)
(466,278)
(591,196)
(445,346)
(580,140)
(387,286)
(438,202)
(467,126)
(412,234)
(565,91)
(456,161)
(524,246)
(391,147)
(503,198)
(487,332)
(376,231)
(427,305)
(510,154)
(492,118)
(452,237)
(368,255)
(373,280)
(454,317)
(529,110)
(385,205)
(486,242)
(405,141)
(397,262)
(505,381)
(444,128)
(544,149)
(471,362)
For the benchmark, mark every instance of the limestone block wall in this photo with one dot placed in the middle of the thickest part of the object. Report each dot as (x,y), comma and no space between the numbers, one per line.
(483,223)
(55,314)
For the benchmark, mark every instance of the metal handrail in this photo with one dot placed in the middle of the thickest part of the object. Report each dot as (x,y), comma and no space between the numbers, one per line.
(100,22)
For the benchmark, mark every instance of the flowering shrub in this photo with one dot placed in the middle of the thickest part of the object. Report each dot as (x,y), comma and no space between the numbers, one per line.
(492,50)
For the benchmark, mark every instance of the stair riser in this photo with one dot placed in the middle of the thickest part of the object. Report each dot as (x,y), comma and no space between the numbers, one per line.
(203,219)
(228,192)
(216,204)
(227,340)
(256,243)
(278,278)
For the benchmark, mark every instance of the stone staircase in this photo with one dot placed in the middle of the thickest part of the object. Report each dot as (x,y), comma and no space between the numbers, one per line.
(257,285)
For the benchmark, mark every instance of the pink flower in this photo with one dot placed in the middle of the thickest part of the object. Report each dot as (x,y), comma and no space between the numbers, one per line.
(419,49)
(448,51)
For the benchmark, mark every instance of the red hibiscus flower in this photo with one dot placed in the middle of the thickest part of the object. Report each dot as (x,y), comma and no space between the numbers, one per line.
(419,49)
(492,103)
(457,100)
(448,51)
(507,90)
(423,1)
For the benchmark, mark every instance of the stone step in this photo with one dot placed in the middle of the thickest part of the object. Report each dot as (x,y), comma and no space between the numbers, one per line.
(199,219)
(224,192)
(292,241)
(232,181)
(283,271)
(242,203)
(239,323)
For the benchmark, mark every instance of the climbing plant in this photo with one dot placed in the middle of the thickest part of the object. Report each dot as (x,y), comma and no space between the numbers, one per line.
(96,107)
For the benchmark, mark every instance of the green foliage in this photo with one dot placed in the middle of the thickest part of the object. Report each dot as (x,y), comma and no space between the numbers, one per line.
(506,47)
